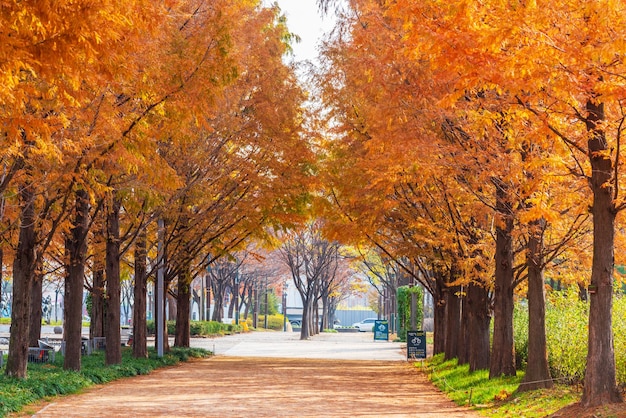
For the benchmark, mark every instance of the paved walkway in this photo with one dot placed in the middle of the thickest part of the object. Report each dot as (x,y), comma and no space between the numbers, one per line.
(271,374)
(336,346)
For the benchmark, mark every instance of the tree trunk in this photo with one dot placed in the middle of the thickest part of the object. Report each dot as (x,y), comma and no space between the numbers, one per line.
(453,322)
(218,288)
(479,321)
(439,319)
(35,310)
(600,381)
(23,270)
(208,297)
(183,305)
(305,330)
(325,320)
(140,338)
(537,371)
(503,349)
(170,308)
(232,302)
(113,352)
(76,246)
(315,318)
(96,326)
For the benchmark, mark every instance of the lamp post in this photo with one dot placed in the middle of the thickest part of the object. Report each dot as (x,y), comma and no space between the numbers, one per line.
(285,288)
(266,303)
(237,297)
(255,314)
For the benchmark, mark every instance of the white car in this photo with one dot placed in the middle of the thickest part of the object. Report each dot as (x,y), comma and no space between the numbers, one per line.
(365,325)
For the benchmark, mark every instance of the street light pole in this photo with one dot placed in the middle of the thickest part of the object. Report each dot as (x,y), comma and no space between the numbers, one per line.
(285,287)
(255,314)
(266,303)
(237,297)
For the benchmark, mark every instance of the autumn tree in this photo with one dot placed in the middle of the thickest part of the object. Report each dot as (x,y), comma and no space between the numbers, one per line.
(312,262)
(567,81)
(468,147)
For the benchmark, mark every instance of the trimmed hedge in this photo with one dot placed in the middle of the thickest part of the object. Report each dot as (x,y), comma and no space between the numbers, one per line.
(274,322)
(404,308)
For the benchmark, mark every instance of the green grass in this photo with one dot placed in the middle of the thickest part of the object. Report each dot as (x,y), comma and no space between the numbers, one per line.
(533,404)
(495,397)
(46,380)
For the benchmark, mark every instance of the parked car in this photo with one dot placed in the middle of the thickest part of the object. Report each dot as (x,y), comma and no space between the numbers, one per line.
(365,325)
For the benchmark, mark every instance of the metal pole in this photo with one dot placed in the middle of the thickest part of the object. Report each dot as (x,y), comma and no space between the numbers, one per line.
(237,297)
(208,297)
(201,307)
(159,296)
(266,310)
(285,307)
(255,315)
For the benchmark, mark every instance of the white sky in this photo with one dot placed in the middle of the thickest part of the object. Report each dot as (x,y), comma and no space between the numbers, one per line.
(304,19)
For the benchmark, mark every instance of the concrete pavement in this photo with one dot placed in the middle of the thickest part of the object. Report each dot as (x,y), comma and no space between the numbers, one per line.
(338,346)
(276,344)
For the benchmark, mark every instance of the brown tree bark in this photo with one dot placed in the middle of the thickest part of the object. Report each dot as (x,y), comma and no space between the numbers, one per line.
(23,270)
(169,311)
(35,310)
(503,350)
(537,371)
(453,322)
(439,318)
(96,326)
(76,247)
(218,300)
(307,327)
(113,352)
(140,338)
(600,385)
(479,320)
(183,309)
(171,305)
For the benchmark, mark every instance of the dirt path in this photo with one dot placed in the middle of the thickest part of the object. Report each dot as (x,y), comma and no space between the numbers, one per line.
(265,387)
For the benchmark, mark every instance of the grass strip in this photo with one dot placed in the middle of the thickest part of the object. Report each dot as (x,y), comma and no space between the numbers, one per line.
(496,397)
(49,379)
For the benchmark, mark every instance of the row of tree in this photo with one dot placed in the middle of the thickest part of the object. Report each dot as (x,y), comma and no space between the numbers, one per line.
(478,144)
(119,114)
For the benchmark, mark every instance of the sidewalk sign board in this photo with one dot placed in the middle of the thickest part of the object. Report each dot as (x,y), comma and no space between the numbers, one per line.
(416,345)
(381,330)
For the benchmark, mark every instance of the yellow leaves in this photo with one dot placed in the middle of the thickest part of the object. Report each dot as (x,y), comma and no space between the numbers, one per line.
(538,212)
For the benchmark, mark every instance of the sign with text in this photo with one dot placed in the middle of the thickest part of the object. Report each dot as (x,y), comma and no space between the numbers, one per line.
(381,330)
(416,345)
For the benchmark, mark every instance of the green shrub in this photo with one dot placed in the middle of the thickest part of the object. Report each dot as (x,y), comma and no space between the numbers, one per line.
(566,333)
(200,328)
(520,335)
(619,337)
(274,322)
